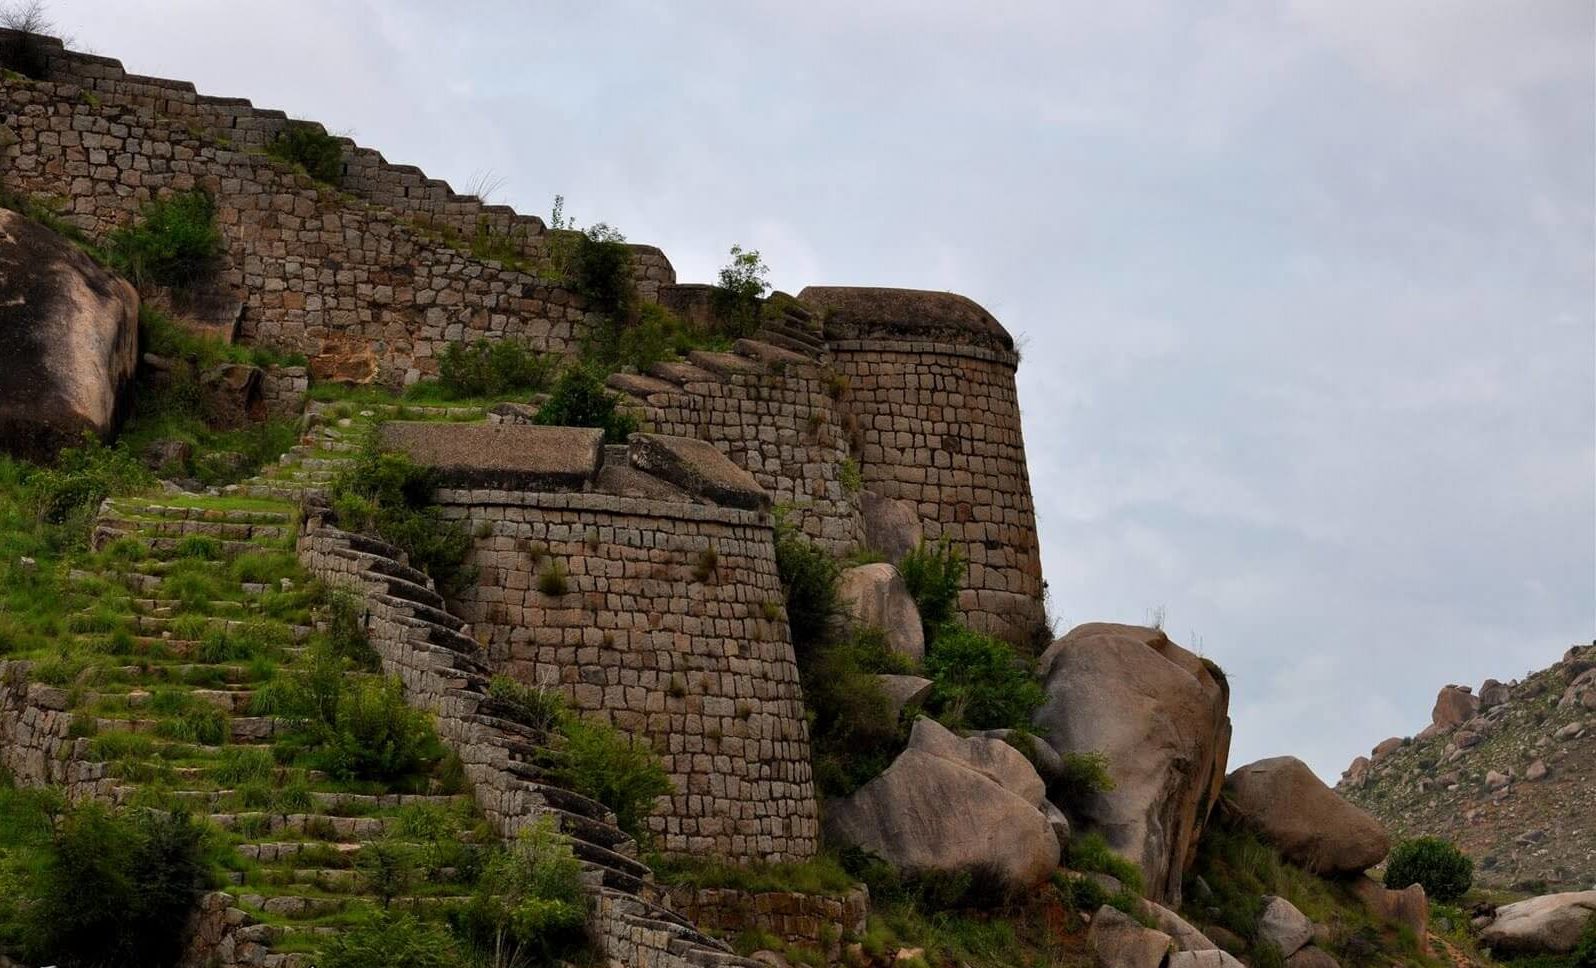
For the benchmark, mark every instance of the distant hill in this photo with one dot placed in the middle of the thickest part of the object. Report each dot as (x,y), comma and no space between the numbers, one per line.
(1507,772)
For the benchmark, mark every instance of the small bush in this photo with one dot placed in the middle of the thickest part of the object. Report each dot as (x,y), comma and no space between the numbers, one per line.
(388,940)
(114,888)
(580,400)
(1445,872)
(388,495)
(934,573)
(600,269)
(742,285)
(535,707)
(852,733)
(1092,854)
(493,368)
(637,344)
(310,147)
(70,492)
(175,243)
(620,771)
(979,682)
(376,735)
(809,577)
(529,906)
(1082,775)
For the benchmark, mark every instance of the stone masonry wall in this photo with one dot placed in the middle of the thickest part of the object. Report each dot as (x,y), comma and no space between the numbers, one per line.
(672,626)
(36,743)
(403,189)
(778,420)
(939,426)
(349,286)
(814,921)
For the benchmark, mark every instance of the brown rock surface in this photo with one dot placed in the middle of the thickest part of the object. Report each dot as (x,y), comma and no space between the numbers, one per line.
(892,527)
(1549,924)
(1408,907)
(1158,713)
(698,468)
(1118,941)
(864,311)
(875,596)
(1454,706)
(1305,820)
(69,339)
(500,455)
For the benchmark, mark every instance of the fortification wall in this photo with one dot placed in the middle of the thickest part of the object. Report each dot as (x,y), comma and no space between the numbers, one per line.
(776,418)
(37,747)
(931,388)
(671,625)
(402,189)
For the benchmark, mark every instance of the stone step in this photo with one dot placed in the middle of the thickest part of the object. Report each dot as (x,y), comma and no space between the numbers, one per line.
(640,386)
(724,365)
(809,351)
(215,515)
(162,627)
(241,729)
(341,829)
(770,354)
(682,373)
(168,607)
(114,527)
(227,700)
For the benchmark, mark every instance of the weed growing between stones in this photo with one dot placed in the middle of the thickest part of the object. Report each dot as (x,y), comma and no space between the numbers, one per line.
(311,149)
(579,399)
(934,573)
(175,243)
(737,297)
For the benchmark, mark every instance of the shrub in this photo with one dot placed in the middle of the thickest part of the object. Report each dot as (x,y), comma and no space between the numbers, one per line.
(175,243)
(310,147)
(600,269)
(376,735)
(852,732)
(1584,955)
(390,496)
(388,940)
(1081,775)
(933,573)
(529,906)
(71,491)
(742,284)
(114,888)
(493,368)
(534,707)
(1091,853)
(1446,872)
(979,682)
(809,577)
(580,400)
(655,335)
(620,771)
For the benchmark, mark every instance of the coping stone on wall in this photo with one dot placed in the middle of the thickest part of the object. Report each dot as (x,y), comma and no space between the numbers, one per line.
(863,311)
(493,455)
(697,467)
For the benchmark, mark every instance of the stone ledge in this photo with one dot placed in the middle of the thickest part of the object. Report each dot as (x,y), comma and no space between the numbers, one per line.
(496,455)
(866,312)
(697,467)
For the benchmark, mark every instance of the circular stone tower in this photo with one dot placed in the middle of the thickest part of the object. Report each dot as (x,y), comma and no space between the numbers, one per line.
(930,389)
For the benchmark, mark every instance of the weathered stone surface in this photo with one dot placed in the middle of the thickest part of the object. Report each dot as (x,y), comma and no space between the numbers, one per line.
(1159,715)
(232,395)
(500,455)
(1209,958)
(1386,748)
(904,691)
(892,527)
(1408,907)
(993,758)
(1118,941)
(1550,923)
(1493,694)
(1283,926)
(165,452)
(1454,706)
(1312,957)
(874,596)
(1185,937)
(69,339)
(927,812)
(697,468)
(1310,824)
(919,313)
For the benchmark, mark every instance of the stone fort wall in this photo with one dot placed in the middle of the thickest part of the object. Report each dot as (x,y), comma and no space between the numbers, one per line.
(670,623)
(403,189)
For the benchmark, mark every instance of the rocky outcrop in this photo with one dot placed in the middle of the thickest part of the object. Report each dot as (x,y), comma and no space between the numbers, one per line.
(1305,820)
(875,596)
(891,527)
(68,338)
(1159,714)
(1408,908)
(952,804)
(1549,924)
(1454,706)
(232,394)
(1118,941)
(904,691)
(1283,926)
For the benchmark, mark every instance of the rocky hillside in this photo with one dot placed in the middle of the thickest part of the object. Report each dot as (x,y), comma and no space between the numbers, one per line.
(1505,771)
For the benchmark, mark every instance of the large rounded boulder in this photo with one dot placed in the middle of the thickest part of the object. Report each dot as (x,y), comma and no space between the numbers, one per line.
(875,596)
(1159,715)
(952,804)
(1309,823)
(69,339)
(1549,924)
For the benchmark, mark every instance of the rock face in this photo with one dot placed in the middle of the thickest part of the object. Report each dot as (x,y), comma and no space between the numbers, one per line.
(903,691)
(1454,706)
(69,339)
(1304,819)
(1283,926)
(875,596)
(233,395)
(1550,923)
(952,804)
(1408,907)
(1117,941)
(892,527)
(1159,714)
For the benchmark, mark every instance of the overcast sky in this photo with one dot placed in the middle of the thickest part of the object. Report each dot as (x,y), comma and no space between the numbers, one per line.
(1305,288)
